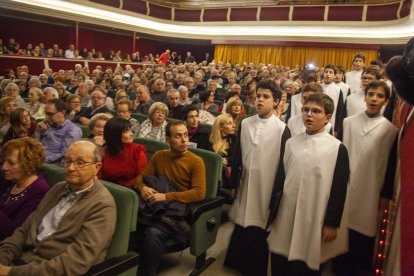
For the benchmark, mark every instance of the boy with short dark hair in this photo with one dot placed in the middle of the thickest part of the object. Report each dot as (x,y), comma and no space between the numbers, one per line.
(339,81)
(369,138)
(353,78)
(304,230)
(335,93)
(257,160)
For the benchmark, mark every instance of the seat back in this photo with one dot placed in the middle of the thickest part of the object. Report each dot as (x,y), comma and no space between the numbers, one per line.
(139,117)
(126,201)
(205,128)
(151,145)
(85,130)
(213,163)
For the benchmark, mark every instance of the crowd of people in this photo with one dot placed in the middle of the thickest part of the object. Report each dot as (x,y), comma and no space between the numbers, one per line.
(289,139)
(14,48)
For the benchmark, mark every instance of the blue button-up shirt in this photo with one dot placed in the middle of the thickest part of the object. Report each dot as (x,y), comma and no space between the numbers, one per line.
(56,140)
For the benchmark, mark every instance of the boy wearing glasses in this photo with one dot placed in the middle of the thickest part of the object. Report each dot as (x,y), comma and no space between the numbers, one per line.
(369,138)
(304,231)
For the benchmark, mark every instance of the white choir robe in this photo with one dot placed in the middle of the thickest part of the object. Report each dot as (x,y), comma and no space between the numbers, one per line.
(296,126)
(345,88)
(296,105)
(355,103)
(309,162)
(369,142)
(260,152)
(333,91)
(353,79)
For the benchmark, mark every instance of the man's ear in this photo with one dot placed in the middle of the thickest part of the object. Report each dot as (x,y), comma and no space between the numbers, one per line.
(167,140)
(328,118)
(276,103)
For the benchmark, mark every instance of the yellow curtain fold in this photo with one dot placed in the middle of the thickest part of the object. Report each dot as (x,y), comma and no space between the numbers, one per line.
(290,56)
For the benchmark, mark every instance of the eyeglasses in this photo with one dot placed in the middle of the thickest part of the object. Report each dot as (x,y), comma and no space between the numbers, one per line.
(79,164)
(313,111)
(97,98)
(50,114)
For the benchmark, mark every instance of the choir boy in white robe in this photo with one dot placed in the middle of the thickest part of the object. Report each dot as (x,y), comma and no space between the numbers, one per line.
(305,227)
(259,146)
(339,81)
(369,138)
(295,123)
(335,93)
(353,78)
(355,103)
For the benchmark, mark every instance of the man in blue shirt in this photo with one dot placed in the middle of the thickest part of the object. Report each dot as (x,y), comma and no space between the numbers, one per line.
(56,132)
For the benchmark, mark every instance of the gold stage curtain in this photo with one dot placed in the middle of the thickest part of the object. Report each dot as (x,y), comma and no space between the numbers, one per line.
(290,56)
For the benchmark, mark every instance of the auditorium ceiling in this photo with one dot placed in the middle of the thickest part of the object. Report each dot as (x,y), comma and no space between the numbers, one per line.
(235,21)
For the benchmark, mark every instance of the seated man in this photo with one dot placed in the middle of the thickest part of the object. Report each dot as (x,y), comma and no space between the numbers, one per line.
(71,229)
(181,167)
(98,99)
(56,132)
(173,96)
(143,100)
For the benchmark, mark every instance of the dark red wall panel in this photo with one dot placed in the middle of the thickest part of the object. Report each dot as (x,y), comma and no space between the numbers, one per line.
(274,14)
(112,3)
(382,12)
(160,12)
(243,14)
(308,13)
(345,13)
(135,6)
(36,65)
(187,15)
(405,10)
(215,15)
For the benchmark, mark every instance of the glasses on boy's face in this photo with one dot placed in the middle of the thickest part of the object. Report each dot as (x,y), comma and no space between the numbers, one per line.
(312,111)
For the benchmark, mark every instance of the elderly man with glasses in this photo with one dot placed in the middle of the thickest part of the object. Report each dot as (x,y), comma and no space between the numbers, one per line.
(73,226)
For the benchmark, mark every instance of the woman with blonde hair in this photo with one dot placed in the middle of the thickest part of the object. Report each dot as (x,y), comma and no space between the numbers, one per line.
(222,140)
(235,108)
(154,127)
(34,106)
(7,105)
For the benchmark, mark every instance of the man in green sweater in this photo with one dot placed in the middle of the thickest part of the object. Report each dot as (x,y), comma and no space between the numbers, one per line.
(183,168)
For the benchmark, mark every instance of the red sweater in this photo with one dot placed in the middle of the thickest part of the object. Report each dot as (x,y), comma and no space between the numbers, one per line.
(123,168)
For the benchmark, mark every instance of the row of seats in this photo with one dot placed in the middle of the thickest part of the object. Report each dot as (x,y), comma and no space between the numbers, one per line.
(204,216)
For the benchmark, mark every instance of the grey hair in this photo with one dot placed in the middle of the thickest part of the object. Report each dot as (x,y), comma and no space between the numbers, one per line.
(53,91)
(97,152)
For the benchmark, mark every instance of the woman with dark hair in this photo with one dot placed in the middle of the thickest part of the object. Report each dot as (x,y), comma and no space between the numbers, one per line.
(122,160)
(21,188)
(21,125)
(207,102)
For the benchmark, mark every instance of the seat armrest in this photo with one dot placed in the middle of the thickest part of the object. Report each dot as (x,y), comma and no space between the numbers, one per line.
(198,208)
(115,265)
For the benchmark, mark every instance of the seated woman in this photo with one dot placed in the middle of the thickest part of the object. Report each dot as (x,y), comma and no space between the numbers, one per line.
(184,99)
(235,108)
(123,109)
(97,126)
(7,105)
(154,126)
(12,91)
(23,187)
(74,103)
(21,125)
(60,88)
(121,95)
(192,119)
(207,102)
(223,140)
(35,107)
(122,160)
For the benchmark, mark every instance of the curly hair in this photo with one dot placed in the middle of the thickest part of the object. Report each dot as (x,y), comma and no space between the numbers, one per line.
(31,154)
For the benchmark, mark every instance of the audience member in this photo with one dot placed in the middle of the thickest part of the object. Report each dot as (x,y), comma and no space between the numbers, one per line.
(34,106)
(21,125)
(12,91)
(97,127)
(98,99)
(56,132)
(7,105)
(124,109)
(22,187)
(154,126)
(175,109)
(186,174)
(122,160)
(190,116)
(143,100)
(57,239)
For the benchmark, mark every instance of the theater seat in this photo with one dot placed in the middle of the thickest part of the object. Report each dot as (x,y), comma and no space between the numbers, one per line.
(151,145)
(118,260)
(85,130)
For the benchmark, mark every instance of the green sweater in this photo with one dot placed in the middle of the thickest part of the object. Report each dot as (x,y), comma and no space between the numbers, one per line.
(187,171)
